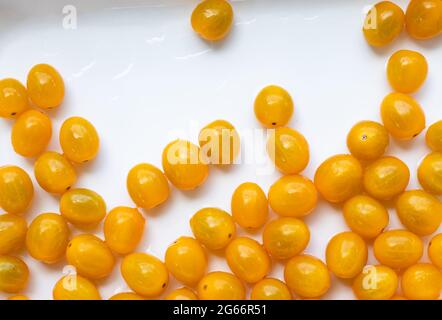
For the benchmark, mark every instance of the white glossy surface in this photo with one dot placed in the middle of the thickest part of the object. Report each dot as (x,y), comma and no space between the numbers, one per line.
(137,71)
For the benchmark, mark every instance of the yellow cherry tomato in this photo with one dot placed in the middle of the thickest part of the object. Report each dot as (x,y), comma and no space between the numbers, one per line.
(221,286)
(270,289)
(14,274)
(368,140)
(54,173)
(47,237)
(126,296)
(45,86)
(398,298)
(183,165)
(307,276)
(339,178)
(402,116)
(424,18)
(398,249)
(212,19)
(273,107)
(18,297)
(422,281)
(419,212)
(346,255)
(434,136)
(284,238)
(386,178)
(13,98)
(219,142)
(430,173)
(186,260)
(213,227)
(383,23)
(90,256)
(375,283)
(293,196)
(182,294)
(147,186)
(249,206)
(75,287)
(13,229)
(123,229)
(435,250)
(145,274)
(365,216)
(83,208)
(247,259)
(16,189)
(289,150)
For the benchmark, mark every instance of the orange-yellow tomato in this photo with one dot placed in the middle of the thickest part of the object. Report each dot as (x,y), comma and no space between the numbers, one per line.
(221,286)
(123,229)
(430,173)
(18,297)
(398,298)
(289,150)
(16,189)
(386,178)
(13,98)
(270,289)
(47,237)
(126,296)
(435,250)
(383,23)
(212,19)
(13,229)
(182,294)
(273,107)
(54,173)
(147,186)
(434,136)
(339,178)
(368,140)
(75,287)
(422,281)
(31,133)
(45,86)
(249,206)
(14,274)
(375,283)
(424,18)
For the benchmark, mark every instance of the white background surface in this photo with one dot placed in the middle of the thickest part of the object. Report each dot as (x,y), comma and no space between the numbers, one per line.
(137,71)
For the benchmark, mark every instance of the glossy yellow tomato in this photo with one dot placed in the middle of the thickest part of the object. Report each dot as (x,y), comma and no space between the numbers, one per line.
(186,260)
(75,287)
(126,296)
(90,256)
(182,294)
(402,116)
(13,230)
(221,286)
(339,178)
(79,140)
(368,140)
(270,289)
(47,237)
(31,133)
(307,276)
(16,189)
(247,259)
(435,250)
(14,274)
(219,142)
(45,86)
(213,227)
(212,19)
(430,173)
(249,206)
(147,186)
(398,249)
(386,178)
(183,165)
(273,107)
(293,196)
(145,274)
(434,136)
(13,98)
(375,283)
(419,212)
(18,297)
(424,18)
(398,298)
(289,150)
(83,208)
(123,229)
(346,255)
(284,238)
(383,23)
(422,281)
(54,173)
(365,216)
